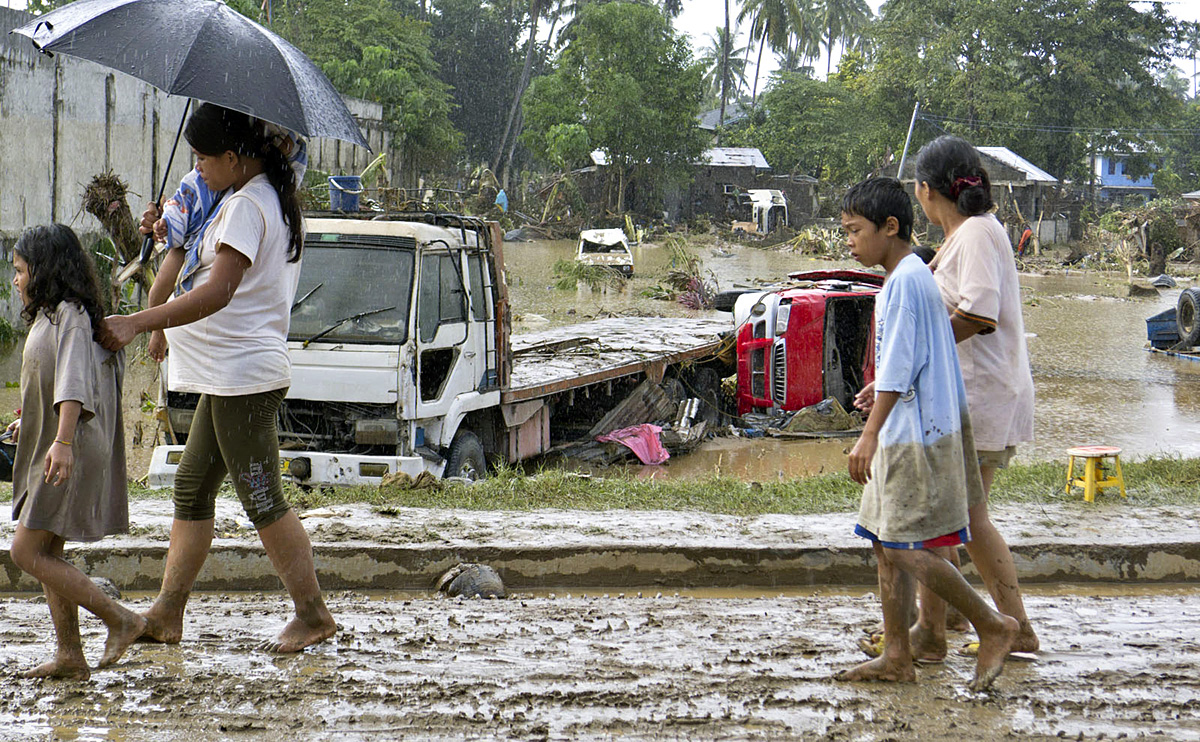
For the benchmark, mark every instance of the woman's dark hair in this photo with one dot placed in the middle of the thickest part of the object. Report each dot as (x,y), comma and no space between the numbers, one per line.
(59,270)
(213,130)
(951,166)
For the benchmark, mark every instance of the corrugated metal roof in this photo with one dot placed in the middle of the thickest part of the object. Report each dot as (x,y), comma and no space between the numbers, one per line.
(736,157)
(1013,160)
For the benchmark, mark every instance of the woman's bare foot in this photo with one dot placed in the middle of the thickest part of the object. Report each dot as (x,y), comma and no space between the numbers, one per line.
(1027,640)
(74,668)
(956,621)
(298,634)
(927,646)
(120,637)
(881,669)
(162,627)
(994,645)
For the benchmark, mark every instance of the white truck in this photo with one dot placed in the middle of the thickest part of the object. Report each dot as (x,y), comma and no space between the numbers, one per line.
(402,359)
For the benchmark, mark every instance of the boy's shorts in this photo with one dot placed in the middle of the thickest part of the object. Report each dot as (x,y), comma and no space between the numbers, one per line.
(996,459)
(958,538)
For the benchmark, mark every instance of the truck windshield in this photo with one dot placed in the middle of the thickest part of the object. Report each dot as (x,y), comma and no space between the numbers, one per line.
(340,277)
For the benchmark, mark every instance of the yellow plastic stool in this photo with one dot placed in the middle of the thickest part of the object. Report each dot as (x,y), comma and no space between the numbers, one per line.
(1094,475)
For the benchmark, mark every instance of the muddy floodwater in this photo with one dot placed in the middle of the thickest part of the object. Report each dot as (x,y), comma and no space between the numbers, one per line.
(1118,663)
(1095,382)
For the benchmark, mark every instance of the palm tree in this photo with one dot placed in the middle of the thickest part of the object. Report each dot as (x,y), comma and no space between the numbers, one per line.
(712,59)
(771,25)
(841,21)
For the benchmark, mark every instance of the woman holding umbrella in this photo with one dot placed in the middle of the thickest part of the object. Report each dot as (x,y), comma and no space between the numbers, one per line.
(228,340)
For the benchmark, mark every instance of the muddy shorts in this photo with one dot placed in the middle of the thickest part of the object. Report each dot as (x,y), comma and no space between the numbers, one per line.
(996,459)
(235,436)
(957,538)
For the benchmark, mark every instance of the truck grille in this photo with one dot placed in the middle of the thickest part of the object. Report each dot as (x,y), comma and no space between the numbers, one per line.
(779,373)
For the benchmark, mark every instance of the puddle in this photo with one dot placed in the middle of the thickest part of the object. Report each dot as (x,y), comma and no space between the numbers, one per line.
(698,665)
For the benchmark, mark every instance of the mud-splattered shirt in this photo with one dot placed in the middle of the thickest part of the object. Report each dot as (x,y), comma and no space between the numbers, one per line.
(925,463)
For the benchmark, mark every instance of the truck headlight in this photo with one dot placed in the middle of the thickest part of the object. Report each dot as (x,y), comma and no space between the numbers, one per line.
(781,319)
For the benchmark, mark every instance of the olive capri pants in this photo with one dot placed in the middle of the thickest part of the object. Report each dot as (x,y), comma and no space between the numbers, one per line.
(235,436)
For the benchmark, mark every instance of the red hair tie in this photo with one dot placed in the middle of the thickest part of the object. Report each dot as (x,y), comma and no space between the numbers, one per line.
(960,183)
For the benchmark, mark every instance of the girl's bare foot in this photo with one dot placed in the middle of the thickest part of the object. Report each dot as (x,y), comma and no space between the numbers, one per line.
(75,668)
(298,634)
(956,621)
(880,669)
(120,637)
(161,627)
(994,645)
(1027,640)
(927,646)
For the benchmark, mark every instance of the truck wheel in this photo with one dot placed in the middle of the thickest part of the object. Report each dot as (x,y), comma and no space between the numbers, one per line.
(724,300)
(466,458)
(1187,317)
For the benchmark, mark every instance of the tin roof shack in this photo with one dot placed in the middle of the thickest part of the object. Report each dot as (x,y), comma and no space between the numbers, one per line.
(723,178)
(1025,194)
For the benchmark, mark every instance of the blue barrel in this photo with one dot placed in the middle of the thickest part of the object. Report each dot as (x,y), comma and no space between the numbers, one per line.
(344,191)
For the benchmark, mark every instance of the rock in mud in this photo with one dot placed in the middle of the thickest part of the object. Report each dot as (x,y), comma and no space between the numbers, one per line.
(472,581)
(107,587)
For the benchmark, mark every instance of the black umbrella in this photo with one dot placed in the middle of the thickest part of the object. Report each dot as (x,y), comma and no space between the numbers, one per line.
(200,49)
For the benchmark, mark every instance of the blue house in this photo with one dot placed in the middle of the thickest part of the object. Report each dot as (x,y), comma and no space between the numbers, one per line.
(1112,182)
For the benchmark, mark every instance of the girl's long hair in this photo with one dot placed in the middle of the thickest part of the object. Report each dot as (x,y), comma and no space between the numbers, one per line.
(59,270)
(213,130)
(953,168)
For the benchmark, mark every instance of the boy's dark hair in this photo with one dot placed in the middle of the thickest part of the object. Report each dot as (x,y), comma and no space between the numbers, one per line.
(875,199)
(213,130)
(59,270)
(953,168)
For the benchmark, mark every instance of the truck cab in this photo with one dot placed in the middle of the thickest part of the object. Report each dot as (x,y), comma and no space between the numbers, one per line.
(809,341)
(397,334)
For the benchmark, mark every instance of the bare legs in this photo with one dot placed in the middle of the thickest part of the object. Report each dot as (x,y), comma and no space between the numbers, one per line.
(290,551)
(40,554)
(897,569)
(991,556)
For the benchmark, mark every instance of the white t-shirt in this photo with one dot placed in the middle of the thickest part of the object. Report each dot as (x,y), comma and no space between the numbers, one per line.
(977,276)
(241,348)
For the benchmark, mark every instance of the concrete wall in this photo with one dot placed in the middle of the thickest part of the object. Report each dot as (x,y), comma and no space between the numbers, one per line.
(63,121)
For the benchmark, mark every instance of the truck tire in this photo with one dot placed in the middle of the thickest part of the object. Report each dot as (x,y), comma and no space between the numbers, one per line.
(724,301)
(1187,317)
(466,459)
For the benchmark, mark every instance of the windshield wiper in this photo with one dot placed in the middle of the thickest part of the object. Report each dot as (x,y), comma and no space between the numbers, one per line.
(343,321)
(304,298)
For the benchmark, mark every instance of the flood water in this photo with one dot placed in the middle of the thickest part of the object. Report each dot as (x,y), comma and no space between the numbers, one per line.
(1095,382)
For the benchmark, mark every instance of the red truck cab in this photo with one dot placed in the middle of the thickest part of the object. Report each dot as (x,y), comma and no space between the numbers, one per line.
(811,340)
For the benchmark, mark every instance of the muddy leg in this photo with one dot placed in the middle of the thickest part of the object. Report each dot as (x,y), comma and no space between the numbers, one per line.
(993,559)
(290,550)
(996,631)
(190,542)
(896,595)
(40,554)
(928,633)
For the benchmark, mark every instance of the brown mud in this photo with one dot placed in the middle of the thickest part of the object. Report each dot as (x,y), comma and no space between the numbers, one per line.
(1118,663)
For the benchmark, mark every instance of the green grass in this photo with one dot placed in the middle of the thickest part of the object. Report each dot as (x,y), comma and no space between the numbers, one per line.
(1160,481)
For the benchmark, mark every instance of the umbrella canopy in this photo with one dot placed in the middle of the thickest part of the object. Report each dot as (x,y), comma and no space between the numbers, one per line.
(201,49)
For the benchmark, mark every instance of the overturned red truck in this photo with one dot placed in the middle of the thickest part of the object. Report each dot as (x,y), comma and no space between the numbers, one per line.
(806,342)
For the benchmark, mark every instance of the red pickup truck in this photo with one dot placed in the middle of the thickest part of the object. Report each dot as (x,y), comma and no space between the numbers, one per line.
(811,340)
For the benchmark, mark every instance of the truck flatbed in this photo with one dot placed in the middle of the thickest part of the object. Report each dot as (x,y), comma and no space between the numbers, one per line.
(563,358)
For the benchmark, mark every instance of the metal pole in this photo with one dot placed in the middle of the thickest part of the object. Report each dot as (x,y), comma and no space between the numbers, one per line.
(907,139)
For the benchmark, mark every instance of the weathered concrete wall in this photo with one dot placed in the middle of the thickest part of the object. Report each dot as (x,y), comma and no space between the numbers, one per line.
(64,120)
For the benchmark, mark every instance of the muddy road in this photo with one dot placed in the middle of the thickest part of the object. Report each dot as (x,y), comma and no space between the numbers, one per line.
(1119,663)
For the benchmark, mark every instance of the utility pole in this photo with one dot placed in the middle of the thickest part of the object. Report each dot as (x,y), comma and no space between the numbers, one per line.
(907,139)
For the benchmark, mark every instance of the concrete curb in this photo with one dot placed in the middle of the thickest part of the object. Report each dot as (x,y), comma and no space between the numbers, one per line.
(408,549)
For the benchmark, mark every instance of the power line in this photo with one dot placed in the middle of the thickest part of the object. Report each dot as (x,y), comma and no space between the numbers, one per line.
(1056,128)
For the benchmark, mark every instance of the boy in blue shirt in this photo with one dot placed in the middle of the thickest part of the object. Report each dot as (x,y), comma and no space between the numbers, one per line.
(916,454)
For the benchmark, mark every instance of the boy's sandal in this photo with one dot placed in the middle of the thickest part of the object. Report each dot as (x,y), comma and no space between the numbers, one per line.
(971,649)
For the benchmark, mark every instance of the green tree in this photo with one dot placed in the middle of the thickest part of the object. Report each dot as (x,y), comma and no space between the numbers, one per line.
(713,57)
(370,49)
(840,21)
(1055,80)
(771,23)
(628,80)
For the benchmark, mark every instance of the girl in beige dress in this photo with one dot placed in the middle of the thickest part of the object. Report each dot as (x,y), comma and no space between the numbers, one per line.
(69,474)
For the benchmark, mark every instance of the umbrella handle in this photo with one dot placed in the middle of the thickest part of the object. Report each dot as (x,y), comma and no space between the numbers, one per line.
(148,243)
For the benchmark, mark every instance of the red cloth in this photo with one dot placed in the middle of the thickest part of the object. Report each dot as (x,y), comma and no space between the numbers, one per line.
(642,440)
